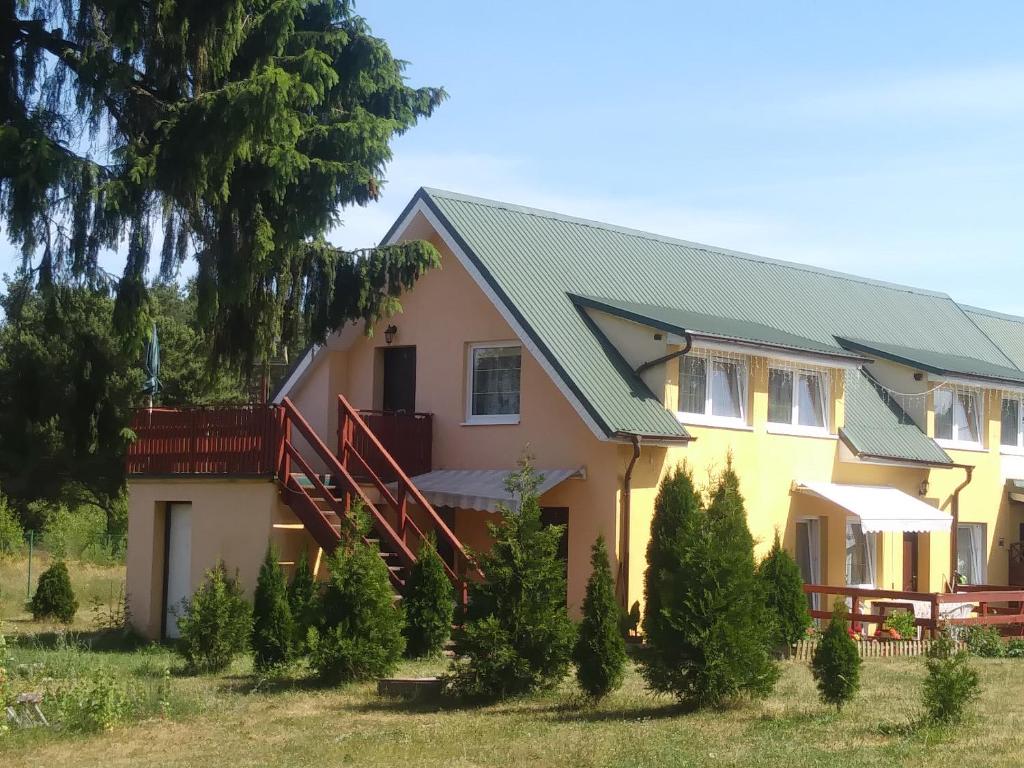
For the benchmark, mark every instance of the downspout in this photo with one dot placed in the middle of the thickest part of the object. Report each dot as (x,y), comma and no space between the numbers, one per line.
(622,583)
(955,510)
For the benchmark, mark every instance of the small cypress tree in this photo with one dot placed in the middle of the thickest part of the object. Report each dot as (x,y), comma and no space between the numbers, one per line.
(361,632)
(217,623)
(429,604)
(303,602)
(951,686)
(54,597)
(518,637)
(784,596)
(273,631)
(600,652)
(705,620)
(836,662)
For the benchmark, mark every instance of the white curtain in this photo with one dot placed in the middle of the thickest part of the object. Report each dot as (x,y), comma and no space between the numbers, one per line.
(741,375)
(823,398)
(814,555)
(970,543)
(869,556)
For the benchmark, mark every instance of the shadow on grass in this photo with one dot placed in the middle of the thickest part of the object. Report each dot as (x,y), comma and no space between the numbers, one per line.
(97,641)
(583,710)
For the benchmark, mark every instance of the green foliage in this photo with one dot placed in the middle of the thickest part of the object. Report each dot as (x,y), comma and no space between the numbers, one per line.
(985,642)
(54,597)
(360,637)
(80,535)
(517,637)
(429,604)
(951,685)
(1015,648)
(12,537)
(836,662)
(238,129)
(273,631)
(600,653)
(903,622)
(96,702)
(216,624)
(784,597)
(303,601)
(706,624)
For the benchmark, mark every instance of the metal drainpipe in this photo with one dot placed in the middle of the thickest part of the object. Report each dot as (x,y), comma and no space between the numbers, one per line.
(627,479)
(955,509)
(622,584)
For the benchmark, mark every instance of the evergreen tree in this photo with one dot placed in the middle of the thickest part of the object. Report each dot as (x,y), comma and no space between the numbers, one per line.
(429,604)
(217,623)
(361,631)
(600,652)
(303,602)
(705,619)
(518,636)
(836,662)
(54,597)
(951,686)
(239,128)
(784,596)
(273,631)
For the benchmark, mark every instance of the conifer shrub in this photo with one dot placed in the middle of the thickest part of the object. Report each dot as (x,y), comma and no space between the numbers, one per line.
(784,596)
(429,604)
(12,537)
(1015,648)
(629,621)
(600,652)
(304,602)
(216,624)
(707,629)
(361,632)
(950,686)
(836,661)
(518,637)
(273,631)
(54,597)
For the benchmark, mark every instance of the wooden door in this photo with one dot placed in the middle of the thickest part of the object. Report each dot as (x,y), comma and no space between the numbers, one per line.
(910,562)
(399,379)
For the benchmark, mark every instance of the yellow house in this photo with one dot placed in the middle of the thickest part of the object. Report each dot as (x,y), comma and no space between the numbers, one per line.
(877,428)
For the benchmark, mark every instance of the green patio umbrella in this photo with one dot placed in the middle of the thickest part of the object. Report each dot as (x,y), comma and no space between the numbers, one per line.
(152,366)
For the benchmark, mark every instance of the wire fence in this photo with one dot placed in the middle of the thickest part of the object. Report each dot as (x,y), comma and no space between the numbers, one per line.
(99,548)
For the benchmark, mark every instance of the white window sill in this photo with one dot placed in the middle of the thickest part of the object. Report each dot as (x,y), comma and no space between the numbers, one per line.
(956,445)
(721,422)
(774,428)
(490,421)
(1011,450)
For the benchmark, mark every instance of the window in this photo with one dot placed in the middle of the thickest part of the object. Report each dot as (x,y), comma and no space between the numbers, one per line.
(958,415)
(714,386)
(798,398)
(970,553)
(494,384)
(860,556)
(1012,432)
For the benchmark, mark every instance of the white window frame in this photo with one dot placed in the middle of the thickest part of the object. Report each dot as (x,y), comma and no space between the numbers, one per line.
(707,418)
(1017,447)
(955,441)
(979,532)
(794,427)
(871,540)
(500,418)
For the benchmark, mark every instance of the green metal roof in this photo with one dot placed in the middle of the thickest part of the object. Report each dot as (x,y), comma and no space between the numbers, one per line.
(727,329)
(535,261)
(941,363)
(1006,331)
(877,427)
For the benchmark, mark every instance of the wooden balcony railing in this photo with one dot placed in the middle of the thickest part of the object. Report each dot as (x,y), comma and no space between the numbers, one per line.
(235,440)
(407,437)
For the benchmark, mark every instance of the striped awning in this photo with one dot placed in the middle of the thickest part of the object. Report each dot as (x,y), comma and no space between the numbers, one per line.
(482,489)
(881,508)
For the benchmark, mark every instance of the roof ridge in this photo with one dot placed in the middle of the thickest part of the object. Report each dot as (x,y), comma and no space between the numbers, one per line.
(554,215)
(967,308)
(990,313)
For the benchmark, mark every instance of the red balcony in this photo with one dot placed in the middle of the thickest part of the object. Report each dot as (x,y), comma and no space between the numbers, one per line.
(406,436)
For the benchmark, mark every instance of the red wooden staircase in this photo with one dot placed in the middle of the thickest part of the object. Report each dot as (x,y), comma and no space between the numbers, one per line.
(400,517)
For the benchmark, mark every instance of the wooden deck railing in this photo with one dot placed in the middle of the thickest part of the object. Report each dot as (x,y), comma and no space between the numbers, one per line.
(234,440)
(975,605)
(407,437)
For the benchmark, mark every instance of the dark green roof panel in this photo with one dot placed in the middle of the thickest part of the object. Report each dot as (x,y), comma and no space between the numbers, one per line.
(1006,331)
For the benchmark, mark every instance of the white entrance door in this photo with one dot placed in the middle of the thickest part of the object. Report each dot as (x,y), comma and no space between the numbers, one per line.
(179,562)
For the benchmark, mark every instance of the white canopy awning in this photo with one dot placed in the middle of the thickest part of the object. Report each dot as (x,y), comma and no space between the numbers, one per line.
(881,508)
(482,489)
(1016,489)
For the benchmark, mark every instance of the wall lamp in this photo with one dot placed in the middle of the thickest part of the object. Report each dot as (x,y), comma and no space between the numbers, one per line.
(390,332)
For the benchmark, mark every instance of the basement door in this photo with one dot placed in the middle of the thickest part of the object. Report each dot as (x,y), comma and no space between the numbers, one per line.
(178,564)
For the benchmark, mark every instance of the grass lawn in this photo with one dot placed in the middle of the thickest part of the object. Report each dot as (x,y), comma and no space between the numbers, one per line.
(233,719)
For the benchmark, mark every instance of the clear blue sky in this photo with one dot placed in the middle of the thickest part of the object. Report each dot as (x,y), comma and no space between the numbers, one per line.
(883,139)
